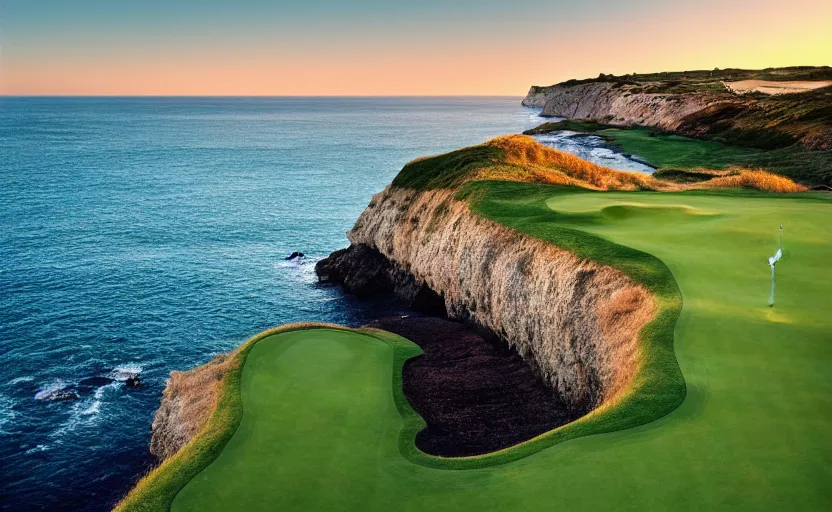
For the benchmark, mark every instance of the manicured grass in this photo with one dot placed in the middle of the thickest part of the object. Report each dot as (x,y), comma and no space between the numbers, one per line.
(674,152)
(663,150)
(659,149)
(320,428)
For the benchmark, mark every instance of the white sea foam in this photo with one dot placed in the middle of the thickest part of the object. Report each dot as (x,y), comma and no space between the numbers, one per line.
(49,391)
(82,414)
(593,149)
(36,449)
(21,380)
(94,408)
(99,393)
(125,371)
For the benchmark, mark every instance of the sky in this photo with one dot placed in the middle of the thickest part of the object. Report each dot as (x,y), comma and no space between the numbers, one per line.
(378,47)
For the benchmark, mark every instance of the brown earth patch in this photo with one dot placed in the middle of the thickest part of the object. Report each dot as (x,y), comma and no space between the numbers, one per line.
(476,394)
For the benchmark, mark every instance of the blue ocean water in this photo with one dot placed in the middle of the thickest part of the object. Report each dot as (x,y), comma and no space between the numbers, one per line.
(144,235)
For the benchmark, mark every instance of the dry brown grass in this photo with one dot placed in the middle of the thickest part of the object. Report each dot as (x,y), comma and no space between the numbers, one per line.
(188,401)
(753,179)
(528,160)
(521,158)
(577,321)
(622,314)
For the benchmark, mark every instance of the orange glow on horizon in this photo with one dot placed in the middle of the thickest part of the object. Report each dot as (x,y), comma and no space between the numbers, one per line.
(504,65)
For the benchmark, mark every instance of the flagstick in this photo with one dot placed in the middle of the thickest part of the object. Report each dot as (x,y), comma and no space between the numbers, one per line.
(772,264)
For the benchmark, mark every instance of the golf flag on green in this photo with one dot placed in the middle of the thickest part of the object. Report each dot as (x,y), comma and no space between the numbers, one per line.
(772,262)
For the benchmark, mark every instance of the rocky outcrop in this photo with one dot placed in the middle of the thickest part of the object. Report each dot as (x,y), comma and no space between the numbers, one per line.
(575,320)
(615,104)
(365,272)
(536,97)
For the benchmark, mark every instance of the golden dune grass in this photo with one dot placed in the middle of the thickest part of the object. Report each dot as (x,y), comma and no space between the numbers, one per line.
(546,165)
(753,179)
(527,160)
(188,401)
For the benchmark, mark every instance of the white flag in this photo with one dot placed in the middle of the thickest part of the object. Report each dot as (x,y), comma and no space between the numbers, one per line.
(774,259)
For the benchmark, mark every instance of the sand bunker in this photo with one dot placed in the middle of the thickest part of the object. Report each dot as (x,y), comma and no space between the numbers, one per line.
(771,87)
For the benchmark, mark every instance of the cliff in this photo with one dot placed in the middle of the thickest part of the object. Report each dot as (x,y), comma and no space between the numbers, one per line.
(575,320)
(536,96)
(609,103)
(188,401)
(704,104)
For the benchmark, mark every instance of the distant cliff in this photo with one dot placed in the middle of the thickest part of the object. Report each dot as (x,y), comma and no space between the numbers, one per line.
(616,104)
(699,104)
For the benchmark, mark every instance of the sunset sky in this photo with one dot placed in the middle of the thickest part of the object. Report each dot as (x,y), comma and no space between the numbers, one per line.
(384,47)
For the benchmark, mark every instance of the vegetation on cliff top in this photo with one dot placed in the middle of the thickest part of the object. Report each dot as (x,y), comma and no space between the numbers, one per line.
(698,80)
(796,120)
(667,151)
(619,229)
(326,436)
(520,158)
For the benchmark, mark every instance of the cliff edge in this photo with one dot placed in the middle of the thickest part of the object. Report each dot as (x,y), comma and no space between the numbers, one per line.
(707,104)
(574,320)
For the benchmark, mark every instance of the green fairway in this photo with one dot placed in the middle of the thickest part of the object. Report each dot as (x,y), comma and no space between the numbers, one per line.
(667,151)
(664,150)
(320,428)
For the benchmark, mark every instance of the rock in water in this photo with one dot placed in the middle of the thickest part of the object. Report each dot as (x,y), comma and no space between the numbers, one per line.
(364,272)
(295,255)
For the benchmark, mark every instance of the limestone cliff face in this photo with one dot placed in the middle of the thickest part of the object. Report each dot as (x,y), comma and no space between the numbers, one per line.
(536,97)
(575,320)
(609,103)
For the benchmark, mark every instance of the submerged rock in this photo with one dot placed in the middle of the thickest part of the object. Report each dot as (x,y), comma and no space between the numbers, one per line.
(95,382)
(294,256)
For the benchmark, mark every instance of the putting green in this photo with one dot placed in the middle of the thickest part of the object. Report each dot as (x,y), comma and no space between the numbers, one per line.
(320,426)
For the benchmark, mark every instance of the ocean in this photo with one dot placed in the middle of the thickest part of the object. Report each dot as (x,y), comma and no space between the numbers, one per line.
(144,235)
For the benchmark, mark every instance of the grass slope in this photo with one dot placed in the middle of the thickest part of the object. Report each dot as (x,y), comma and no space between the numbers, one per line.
(665,150)
(321,429)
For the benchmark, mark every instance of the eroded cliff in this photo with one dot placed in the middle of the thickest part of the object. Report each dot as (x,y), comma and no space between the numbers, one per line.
(573,319)
(617,104)
(705,104)
(188,401)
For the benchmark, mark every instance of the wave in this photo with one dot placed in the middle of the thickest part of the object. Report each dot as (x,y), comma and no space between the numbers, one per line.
(56,391)
(7,412)
(36,449)
(126,371)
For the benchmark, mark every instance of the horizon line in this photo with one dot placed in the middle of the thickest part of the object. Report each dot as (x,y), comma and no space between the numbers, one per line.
(261,95)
